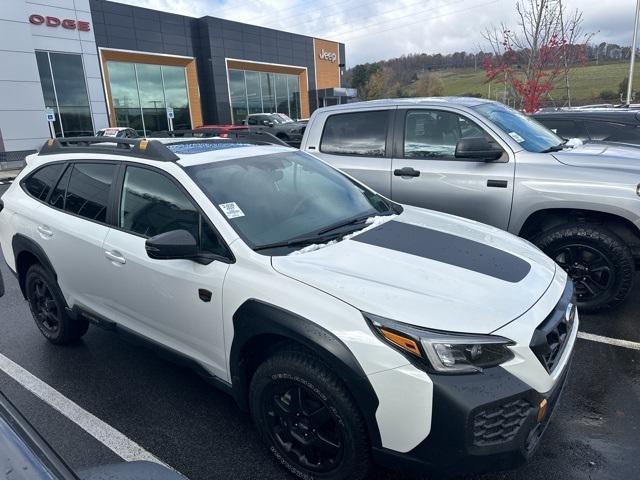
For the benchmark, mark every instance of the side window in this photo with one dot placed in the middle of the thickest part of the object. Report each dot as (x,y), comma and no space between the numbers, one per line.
(57,196)
(252,121)
(88,190)
(40,183)
(152,204)
(434,133)
(361,133)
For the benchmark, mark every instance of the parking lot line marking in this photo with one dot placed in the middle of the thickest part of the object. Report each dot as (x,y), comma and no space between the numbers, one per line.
(610,341)
(111,438)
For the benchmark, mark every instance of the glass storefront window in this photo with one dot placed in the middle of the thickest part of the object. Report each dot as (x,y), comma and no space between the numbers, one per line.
(238,92)
(175,94)
(268,92)
(254,93)
(282,96)
(141,93)
(258,92)
(65,91)
(124,95)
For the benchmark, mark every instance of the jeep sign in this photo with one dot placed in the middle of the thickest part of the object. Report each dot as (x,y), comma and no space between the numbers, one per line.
(67,23)
(328,56)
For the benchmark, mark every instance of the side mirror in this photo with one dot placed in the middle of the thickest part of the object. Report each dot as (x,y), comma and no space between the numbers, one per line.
(266,123)
(173,245)
(478,149)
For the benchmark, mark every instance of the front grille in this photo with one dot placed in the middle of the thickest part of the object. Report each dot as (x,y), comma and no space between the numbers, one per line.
(550,338)
(500,424)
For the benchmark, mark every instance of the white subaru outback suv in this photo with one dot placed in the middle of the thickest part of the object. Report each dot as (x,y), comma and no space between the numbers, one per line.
(354,329)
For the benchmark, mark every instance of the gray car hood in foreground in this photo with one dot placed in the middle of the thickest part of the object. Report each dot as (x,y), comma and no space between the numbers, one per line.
(601,155)
(429,269)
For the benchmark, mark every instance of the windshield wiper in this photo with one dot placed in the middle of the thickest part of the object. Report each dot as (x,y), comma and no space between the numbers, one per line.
(555,148)
(294,242)
(345,223)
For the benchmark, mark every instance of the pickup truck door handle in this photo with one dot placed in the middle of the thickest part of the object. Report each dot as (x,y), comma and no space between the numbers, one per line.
(497,183)
(406,172)
(45,231)
(115,257)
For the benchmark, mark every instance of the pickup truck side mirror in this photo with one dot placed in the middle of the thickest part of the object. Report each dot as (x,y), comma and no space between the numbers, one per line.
(173,245)
(267,123)
(478,149)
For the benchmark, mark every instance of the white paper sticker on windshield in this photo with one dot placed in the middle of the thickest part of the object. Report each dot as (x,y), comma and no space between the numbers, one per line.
(516,137)
(231,210)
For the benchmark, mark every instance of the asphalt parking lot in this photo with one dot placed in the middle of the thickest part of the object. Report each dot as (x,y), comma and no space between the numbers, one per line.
(172,413)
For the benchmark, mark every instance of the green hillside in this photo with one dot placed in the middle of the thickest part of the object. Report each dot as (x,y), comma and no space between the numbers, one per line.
(586,82)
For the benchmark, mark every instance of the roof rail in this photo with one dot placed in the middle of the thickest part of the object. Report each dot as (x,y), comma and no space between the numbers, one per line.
(130,147)
(238,136)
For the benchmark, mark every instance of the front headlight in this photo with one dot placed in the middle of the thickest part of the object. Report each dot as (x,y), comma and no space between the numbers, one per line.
(440,351)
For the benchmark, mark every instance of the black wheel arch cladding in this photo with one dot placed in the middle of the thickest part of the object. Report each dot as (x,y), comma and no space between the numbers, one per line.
(256,318)
(22,244)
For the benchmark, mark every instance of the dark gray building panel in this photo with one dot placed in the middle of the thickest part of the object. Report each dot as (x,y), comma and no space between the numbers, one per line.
(209,40)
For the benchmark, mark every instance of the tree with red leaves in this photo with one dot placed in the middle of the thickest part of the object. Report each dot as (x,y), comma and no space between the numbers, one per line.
(533,60)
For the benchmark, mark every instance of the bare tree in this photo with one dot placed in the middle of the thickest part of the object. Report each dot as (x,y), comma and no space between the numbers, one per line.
(542,50)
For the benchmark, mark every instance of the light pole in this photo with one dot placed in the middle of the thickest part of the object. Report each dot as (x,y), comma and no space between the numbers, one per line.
(633,53)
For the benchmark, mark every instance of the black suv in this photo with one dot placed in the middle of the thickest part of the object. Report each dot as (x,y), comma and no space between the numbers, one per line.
(278,124)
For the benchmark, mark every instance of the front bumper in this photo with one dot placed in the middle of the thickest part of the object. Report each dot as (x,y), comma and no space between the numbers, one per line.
(479,423)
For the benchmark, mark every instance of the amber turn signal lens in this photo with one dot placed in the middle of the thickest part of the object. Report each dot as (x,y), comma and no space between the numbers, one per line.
(404,343)
(542,409)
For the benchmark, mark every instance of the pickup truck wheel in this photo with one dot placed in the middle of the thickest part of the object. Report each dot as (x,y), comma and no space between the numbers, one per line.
(308,418)
(49,308)
(599,262)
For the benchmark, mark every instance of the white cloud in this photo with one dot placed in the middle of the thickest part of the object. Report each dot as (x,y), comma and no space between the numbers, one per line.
(374,30)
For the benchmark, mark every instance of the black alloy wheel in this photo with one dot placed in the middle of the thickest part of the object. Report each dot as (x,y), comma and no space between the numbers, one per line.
(598,261)
(303,427)
(44,307)
(49,308)
(589,268)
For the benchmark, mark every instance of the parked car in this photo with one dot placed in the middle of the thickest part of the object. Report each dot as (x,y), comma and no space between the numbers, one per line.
(222,130)
(484,161)
(278,124)
(302,293)
(117,132)
(26,455)
(619,125)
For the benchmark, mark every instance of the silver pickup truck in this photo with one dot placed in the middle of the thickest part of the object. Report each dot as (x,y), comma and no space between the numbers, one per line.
(482,160)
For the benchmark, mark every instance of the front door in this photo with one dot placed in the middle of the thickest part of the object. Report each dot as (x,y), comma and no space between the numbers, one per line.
(427,174)
(177,303)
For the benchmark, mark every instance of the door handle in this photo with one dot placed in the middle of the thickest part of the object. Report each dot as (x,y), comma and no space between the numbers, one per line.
(45,231)
(115,257)
(406,172)
(497,183)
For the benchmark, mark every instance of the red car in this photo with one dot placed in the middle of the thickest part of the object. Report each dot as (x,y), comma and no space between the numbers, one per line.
(222,130)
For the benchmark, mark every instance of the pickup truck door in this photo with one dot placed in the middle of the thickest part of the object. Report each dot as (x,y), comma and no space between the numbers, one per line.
(425,172)
(358,143)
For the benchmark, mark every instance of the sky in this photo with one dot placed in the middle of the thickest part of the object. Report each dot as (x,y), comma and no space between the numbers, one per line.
(375,30)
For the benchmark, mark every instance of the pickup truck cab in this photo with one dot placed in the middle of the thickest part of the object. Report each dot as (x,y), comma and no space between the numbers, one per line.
(482,160)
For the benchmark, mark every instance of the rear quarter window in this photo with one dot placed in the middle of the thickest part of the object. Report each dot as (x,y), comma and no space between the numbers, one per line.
(40,183)
(357,133)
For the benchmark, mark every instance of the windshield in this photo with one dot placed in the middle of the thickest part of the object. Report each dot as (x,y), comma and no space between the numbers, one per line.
(277,198)
(531,135)
(280,118)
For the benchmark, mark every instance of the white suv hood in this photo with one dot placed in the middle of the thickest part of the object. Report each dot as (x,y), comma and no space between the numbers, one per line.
(429,269)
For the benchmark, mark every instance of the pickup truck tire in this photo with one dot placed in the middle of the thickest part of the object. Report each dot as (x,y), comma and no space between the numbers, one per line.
(599,262)
(308,419)
(49,308)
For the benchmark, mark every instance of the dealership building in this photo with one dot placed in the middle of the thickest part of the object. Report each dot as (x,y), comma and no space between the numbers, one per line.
(71,67)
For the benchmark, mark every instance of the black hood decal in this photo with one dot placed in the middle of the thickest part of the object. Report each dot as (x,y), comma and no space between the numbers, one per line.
(447,248)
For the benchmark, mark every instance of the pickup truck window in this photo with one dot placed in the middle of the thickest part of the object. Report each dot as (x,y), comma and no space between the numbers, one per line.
(361,133)
(435,133)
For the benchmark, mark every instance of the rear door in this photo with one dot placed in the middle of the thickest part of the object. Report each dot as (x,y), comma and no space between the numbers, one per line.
(358,143)
(427,174)
(72,226)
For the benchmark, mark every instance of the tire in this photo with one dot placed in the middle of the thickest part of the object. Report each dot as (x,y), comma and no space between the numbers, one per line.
(49,308)
(599,262)
(326,405)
